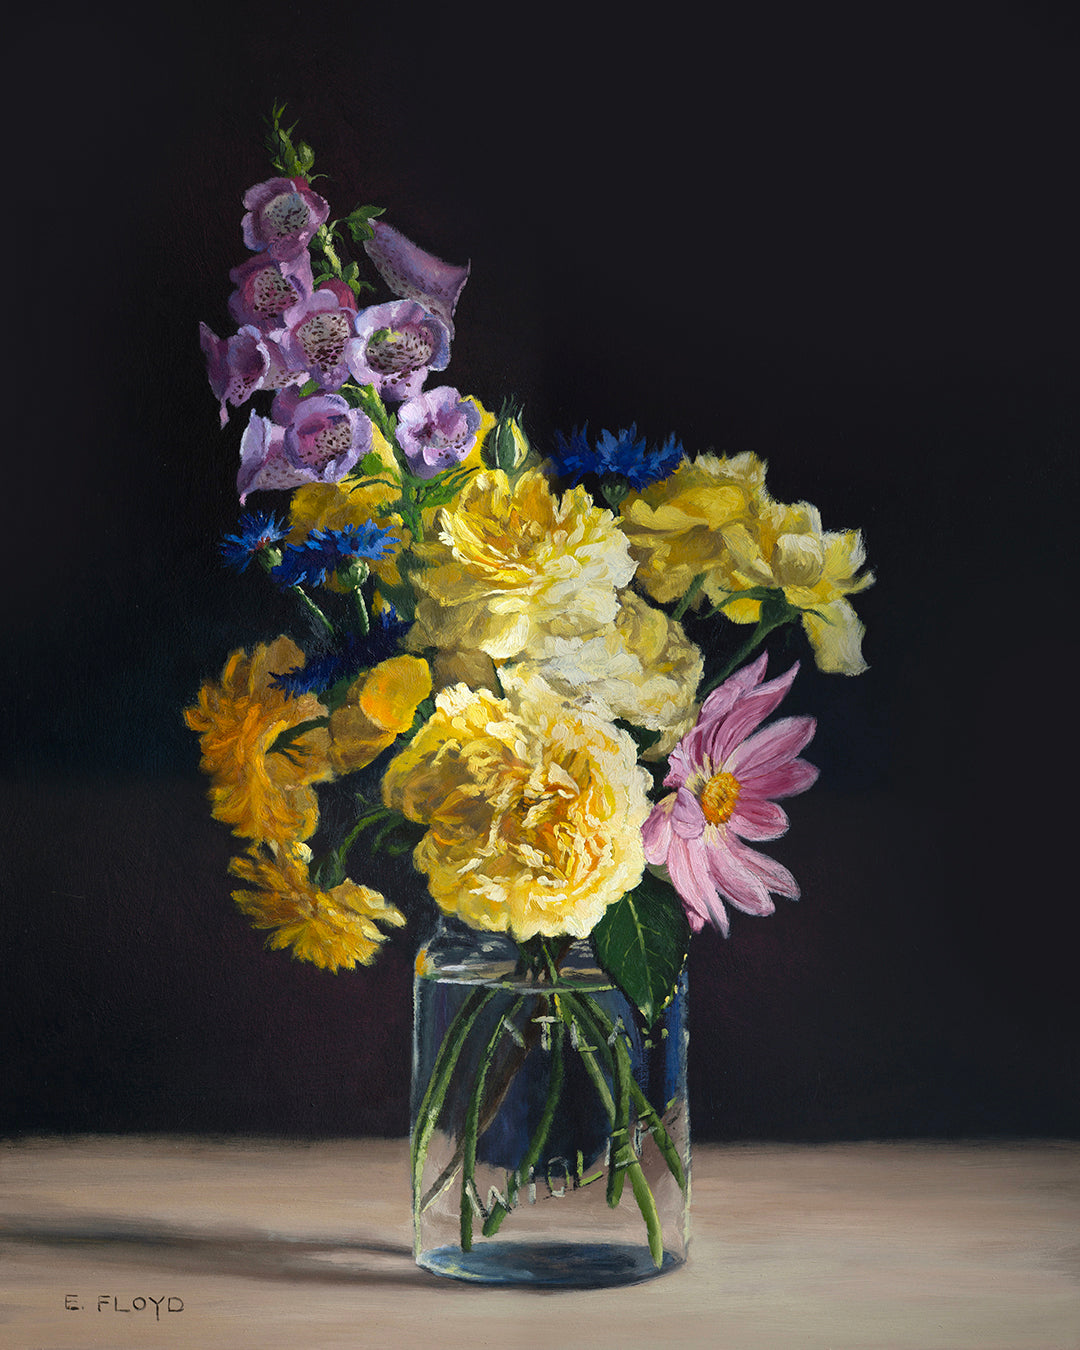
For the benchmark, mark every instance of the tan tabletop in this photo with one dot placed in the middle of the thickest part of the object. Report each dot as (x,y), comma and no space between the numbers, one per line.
(142,1242)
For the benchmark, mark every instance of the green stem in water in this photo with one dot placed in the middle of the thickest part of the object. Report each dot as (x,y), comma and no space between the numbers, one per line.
(623,1158)
(435,1094)
(621,1153)
(472,1121)
(536,1144)
(601,1030)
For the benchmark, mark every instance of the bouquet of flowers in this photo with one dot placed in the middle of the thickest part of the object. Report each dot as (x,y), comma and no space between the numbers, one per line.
(490,654)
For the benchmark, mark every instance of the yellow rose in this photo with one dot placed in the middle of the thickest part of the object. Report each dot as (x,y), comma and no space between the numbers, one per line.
(534,807)
(263,794)
(679,528)
(512,563)
(816,570)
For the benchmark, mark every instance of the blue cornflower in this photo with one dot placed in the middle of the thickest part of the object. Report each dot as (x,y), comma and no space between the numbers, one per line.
(351,655)
(325,552)
(623,454)
(258,530)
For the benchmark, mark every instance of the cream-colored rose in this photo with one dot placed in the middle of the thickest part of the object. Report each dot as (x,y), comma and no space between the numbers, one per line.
(642,668)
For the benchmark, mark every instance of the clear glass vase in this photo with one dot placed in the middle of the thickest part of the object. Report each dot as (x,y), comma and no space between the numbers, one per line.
(550,1132)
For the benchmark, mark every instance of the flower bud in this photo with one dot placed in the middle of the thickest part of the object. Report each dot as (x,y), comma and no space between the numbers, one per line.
(506,446)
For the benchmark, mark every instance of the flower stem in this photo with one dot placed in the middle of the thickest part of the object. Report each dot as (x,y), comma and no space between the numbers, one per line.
(623,1158)
(313,609)
(764,627)
(543,1127)
(435,1094)
(684,604)
(472,1121)
(601,1030)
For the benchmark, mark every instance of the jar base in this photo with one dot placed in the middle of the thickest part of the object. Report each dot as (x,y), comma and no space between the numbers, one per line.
(550,1265)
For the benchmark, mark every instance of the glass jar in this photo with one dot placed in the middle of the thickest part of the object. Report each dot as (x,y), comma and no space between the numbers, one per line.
(550,1131)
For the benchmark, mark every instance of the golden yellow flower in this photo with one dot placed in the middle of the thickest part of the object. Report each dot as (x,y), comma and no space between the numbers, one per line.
(534,807)
(263,794)
(642,669)
(333,929)
(816,570)
(513,563)
(378,707)
(679,528)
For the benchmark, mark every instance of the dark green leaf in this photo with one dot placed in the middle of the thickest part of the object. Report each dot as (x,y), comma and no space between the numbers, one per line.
(641,942)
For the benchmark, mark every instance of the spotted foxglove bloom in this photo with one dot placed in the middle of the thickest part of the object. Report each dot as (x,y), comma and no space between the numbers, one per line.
(726,774)
(282,216)
(320,338)
(397,345)
(413,274)
(437,430)
(240,365)
(318,439)
(266,288)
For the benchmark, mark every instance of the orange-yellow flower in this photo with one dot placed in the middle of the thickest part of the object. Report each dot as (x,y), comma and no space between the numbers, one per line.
(334,929)
(678,528)
(378,707)
(264,794)
(534,807)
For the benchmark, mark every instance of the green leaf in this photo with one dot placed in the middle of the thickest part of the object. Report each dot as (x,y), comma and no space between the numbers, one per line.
(641,942)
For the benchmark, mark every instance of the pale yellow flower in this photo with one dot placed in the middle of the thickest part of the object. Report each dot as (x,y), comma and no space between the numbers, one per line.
(512,564)
(534,807)
(334,929)
(643,669)
(379,705)
(263,794)
(816,570)
(679,528)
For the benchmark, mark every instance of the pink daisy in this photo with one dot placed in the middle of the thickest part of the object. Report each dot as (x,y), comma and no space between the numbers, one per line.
(725,773)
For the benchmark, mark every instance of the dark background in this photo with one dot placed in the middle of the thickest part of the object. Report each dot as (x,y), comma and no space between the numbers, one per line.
(843,236)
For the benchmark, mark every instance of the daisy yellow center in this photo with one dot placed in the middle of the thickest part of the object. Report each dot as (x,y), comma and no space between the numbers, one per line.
(718,798)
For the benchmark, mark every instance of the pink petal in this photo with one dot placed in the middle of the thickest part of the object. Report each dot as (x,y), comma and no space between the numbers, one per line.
(774,875)
(689,871)
(771,747)
(656,833)
(687,817)
(754,818)
(737,882)
(749,714)
(785,781)
(722,700)
(680,764)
